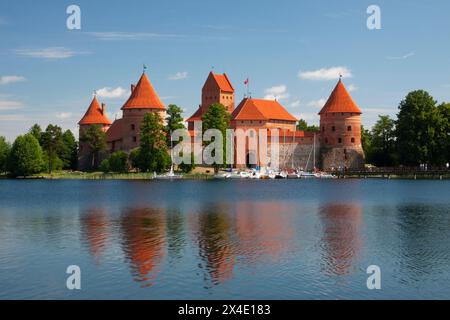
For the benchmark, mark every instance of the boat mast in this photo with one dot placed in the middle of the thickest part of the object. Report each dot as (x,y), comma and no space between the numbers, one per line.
(314,149)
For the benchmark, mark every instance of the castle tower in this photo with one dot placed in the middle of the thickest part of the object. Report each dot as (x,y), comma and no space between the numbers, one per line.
(217,89)
(143,99)
(340,131)
(95,115)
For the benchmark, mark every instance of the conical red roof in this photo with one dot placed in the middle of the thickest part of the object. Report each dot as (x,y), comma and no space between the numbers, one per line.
(340,101)
(144,96)
(95,114)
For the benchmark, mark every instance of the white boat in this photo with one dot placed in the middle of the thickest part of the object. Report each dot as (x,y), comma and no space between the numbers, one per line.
(324,175)
(305,174)
(168,176)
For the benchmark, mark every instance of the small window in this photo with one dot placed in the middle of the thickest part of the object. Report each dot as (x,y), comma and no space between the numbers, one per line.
(349,128)
(353,140)
(340,140)
(133,127)
(134,139)
(333,128)
(323,129)
(326,140)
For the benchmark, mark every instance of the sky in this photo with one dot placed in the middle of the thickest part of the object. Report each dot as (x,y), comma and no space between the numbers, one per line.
(292,50)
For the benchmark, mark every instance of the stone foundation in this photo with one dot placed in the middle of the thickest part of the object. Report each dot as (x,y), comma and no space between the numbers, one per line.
(341,158)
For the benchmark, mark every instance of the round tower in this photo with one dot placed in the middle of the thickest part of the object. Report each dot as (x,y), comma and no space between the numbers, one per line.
(340,131)
(94,116)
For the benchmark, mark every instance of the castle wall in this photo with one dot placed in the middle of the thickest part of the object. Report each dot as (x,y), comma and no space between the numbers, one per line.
(337,158)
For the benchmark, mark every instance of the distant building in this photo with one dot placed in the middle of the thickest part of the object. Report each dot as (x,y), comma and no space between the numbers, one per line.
(337,145)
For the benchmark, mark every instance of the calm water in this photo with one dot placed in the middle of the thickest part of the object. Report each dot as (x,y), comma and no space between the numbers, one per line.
(282,239)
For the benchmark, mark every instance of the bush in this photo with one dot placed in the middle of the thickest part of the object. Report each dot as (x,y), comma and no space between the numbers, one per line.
(26,156)
(104,166)
(118,162)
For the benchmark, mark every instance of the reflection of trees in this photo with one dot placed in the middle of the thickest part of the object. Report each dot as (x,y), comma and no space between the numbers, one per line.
(175,233)
(95,229)
(215,245)
(143,232)
(422,249)
(341,238)
(264,229)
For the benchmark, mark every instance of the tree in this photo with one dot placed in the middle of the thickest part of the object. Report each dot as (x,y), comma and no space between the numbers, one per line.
(104,166)
(153,153)
(52,144)
(415,128)
(133,158)
(302,125)
(69,151)
(217,117)
(118,162)
(4,152)
(36,131)
(366,143)
(174,121)
(25,157)
(95,139)
(441,155)
(188,167)
(383,142)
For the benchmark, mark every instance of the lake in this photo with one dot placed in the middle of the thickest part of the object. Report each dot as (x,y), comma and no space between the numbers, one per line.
(240,239)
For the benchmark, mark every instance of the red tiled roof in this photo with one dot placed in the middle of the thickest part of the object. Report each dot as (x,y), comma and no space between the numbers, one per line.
(222,81)
(144,96)
(197,116)
(340,101)
(115,132)
(258,109)
(94,114)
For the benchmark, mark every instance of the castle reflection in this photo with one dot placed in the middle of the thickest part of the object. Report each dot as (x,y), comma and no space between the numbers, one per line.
(341,239)
(95,231)
(143,240)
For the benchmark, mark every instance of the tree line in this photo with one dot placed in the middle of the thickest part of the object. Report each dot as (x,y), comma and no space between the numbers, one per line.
(39,151)
(420,134)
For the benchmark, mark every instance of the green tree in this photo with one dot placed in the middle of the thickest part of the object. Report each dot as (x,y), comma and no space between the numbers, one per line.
(133,158)
(104,166)
(153,152)
(118,162)
(441,154)
(366,142)
(217,117)
(383,147)
(302,125)
(95,139)
(52,144)
(415,133)
(36,131)
(4,152)
(188,167)
(69,151)
(174,121)
(26,156)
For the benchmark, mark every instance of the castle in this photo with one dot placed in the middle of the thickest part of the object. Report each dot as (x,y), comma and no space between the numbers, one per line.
(337,145)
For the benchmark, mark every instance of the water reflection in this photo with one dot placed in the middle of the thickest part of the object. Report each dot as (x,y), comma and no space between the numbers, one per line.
(341,238)
(215,244)
(95,230)
(144,237)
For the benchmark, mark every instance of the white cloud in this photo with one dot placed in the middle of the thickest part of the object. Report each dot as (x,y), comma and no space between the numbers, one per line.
(13,117)
(120,36)
(10,105)
(11,79)
(276,92)
(179,76)
(295,104)
(110,93)
(332,73)
(317,103)
(63,115)
(403,57)
(352,88)
(47,53)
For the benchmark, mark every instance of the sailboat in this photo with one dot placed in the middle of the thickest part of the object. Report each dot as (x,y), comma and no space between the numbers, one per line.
(307,174)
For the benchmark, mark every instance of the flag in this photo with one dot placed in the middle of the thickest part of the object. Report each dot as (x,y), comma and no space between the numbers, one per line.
(246,81)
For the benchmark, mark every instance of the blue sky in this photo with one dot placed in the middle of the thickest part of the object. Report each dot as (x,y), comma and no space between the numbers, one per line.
(48,73)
